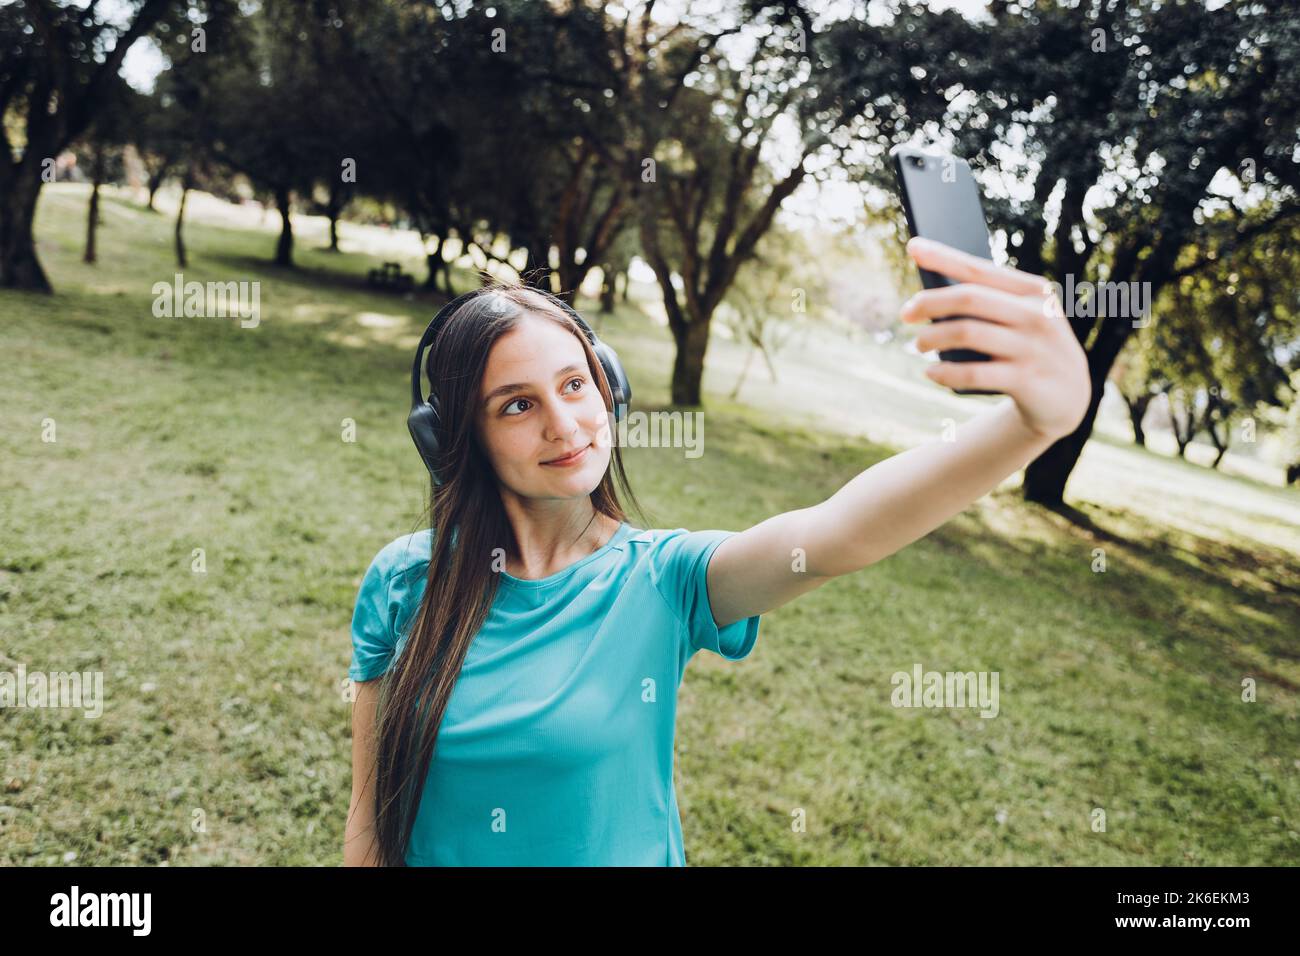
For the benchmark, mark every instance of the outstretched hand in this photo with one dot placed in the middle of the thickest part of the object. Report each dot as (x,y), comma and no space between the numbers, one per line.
(1017,320)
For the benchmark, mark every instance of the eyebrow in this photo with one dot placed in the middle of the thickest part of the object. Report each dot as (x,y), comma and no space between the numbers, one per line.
(522,386)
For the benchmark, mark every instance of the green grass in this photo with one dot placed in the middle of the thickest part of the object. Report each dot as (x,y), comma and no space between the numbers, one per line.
(1119,691)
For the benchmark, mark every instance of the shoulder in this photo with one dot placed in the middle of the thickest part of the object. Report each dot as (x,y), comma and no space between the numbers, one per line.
(676,542)
(678,563)
(660,538)
(402,559)
(383,602)
(676,556)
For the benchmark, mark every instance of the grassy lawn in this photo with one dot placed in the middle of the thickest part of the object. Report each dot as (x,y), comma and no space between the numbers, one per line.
(225,737)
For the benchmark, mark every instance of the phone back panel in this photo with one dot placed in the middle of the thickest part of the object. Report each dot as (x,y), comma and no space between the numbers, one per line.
(942,202)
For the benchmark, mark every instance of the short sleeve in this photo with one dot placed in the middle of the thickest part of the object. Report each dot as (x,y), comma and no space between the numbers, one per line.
(373,639)
(390,593)
(681,575)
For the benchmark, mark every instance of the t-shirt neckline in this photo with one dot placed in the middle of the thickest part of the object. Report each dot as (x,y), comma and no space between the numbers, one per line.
(623,530)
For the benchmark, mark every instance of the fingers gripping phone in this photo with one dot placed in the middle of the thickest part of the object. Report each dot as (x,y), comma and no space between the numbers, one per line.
(942,202)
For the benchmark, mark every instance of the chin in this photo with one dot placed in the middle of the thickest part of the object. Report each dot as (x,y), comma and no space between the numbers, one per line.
(586,478)
(583,483)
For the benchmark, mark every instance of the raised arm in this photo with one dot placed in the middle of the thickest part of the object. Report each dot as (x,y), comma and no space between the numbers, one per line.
(1036,360)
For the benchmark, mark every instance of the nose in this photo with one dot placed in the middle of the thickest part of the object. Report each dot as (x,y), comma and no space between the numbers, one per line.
(561,423)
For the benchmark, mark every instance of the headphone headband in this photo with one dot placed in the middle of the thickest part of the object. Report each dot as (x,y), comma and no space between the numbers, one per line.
(436,323)
(424,422)
(430,333)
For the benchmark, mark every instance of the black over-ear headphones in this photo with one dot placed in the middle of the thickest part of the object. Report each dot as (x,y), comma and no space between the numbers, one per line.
(424,422)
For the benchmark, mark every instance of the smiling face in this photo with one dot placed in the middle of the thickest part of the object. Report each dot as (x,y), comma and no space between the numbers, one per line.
(539,401)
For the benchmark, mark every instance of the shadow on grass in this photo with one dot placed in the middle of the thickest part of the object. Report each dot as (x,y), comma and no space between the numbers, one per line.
(1226,607)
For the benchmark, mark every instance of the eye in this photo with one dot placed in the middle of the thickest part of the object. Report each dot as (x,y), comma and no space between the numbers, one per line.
(505,410)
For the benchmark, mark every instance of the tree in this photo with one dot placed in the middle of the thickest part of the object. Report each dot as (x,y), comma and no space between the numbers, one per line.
(1125,121)
(1138,384)
(103,142)
(1131,120)
(1238,322)
(689,128)
(614,269)
(699,105)
(771,296)
(160,135)
(252,120)
(1285,425)
(172,123)
(474,113)
(56,69)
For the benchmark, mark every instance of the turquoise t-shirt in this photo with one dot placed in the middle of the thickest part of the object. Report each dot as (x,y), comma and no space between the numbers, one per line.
(556,748)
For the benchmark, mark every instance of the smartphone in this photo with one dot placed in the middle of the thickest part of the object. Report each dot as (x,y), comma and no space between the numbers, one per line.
(942,202)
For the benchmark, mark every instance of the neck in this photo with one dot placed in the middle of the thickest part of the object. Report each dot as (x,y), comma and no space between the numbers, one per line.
(550,539)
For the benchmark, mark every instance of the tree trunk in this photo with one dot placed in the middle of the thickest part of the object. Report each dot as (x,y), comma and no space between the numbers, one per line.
(335,210)
(749,357)
(155,183)
(92,216)
(180,221)
(19,266)
(688,365)
(1218,413)
(1183,432)
(607,290)
(284,247)
(571,276)
(433,262)
(1137,411)
(767,358)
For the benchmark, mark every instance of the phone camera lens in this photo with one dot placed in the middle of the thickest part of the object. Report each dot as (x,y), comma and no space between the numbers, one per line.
(918,162)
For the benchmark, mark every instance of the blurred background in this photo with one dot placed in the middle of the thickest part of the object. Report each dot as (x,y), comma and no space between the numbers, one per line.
(192,490)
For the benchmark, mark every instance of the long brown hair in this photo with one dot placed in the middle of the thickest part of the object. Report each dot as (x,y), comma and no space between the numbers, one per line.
(461,584)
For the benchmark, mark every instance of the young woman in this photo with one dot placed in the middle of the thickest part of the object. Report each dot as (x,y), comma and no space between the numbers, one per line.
(541,643)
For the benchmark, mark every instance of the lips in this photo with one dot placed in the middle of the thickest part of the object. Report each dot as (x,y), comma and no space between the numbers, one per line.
(569,458)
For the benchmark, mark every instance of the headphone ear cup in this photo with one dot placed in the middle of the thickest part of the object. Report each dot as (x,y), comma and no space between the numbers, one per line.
(423,423)
(619,386)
